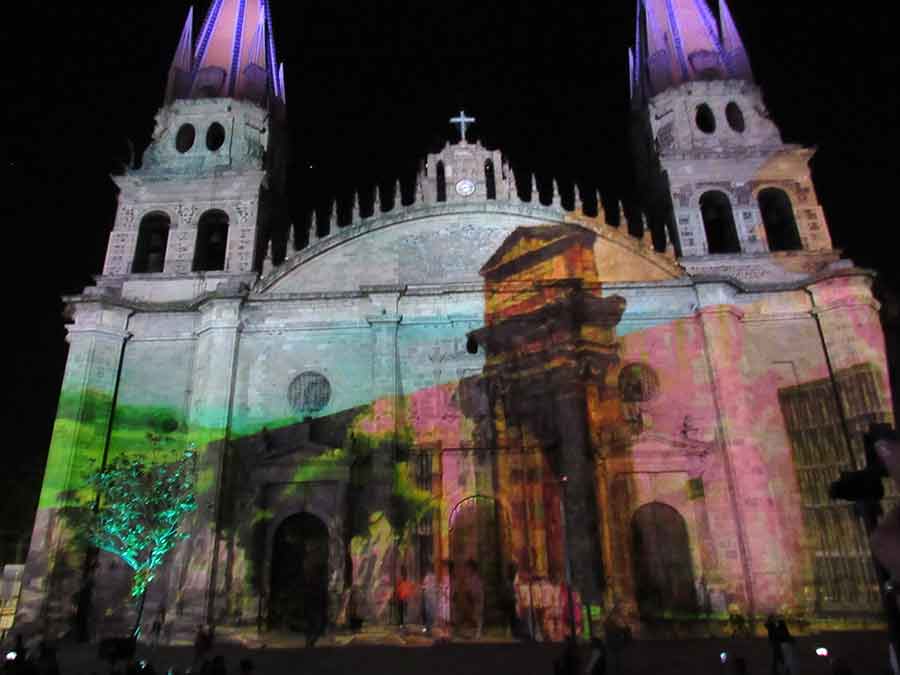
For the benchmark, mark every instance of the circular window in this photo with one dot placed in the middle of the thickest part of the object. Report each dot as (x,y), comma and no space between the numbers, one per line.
(184,139)
(735,117)
(638,383)
(215,137)
(706,119)
(309,392)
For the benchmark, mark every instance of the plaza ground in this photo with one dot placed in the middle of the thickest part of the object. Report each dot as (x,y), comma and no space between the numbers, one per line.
(392,653)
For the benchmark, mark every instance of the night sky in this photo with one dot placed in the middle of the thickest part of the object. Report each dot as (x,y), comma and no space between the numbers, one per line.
(370,86)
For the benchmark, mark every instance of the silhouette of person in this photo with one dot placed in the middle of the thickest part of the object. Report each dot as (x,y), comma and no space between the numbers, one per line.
(405,591)
(786,642)
(774,645)
(429,601)
(475,591)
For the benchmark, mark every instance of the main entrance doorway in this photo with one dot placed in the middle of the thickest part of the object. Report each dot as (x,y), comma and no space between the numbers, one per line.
(475,535)
(664,574)
(299,590)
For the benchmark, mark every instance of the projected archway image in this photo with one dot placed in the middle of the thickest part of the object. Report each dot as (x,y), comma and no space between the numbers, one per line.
(299,572)
(663,570)
(476,535)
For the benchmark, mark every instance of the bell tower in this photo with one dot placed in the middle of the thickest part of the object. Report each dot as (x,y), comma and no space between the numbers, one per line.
(711,163)
(465,172)
(197,212)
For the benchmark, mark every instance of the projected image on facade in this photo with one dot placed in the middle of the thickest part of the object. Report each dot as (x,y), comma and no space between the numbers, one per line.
(475,391)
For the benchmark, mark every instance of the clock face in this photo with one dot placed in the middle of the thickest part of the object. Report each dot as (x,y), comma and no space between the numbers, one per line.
(465,187)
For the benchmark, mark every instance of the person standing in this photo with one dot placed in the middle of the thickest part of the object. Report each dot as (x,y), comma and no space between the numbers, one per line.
(597,661)
(618,635)
(786,642)
(405,591)
(476,597)
(509,601)
(157,627)
(774,645)
(429,601)
(445,599)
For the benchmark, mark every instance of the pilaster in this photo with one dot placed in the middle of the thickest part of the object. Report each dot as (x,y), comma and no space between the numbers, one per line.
(80,432)
(212,392)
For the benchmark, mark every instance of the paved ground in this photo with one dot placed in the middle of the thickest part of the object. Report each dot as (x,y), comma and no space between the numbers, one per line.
(866,652)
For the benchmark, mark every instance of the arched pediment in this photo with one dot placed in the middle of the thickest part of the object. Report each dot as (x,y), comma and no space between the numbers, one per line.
(446,244)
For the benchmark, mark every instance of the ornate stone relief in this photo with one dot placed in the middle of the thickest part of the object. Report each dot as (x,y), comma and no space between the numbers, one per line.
(127,216)
(186,214)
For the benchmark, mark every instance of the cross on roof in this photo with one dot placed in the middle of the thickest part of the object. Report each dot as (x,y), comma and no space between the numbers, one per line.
(462,121)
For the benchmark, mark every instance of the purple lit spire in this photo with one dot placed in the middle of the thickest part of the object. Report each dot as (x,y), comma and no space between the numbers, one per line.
(179,82)
(636,55)
(234,56)
(735,52)
(684,44)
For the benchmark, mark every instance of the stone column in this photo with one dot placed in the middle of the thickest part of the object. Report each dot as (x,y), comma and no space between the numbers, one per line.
(385,383)
(576,464)
(733,500)
(201,564)
(53,569)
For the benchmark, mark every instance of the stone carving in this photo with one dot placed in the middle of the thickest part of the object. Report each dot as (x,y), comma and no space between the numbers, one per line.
(186,213)
(244,209)
(127,216)
(666,136)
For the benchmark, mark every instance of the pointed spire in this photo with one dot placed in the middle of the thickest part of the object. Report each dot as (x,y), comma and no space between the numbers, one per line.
(398,195)
(535,195)
(646,234)
(636,55)
(280,90)
(420,189)
(180,72)
(235,53)
(683,45)
(332,219)
(557,198)
(354,209)
(733,46)
(268,262)
(257,53)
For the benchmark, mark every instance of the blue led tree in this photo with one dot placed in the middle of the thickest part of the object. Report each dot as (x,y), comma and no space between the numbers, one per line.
(139,516)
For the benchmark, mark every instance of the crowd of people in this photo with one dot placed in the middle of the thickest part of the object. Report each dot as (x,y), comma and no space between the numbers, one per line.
(533,608)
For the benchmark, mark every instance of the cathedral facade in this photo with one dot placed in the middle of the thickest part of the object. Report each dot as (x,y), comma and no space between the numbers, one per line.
(475,376)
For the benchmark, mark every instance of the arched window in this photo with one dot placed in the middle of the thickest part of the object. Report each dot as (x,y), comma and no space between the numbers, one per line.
(718,220)
(489,179)
(778,218)
(212,242)
(441,183)
(153,237)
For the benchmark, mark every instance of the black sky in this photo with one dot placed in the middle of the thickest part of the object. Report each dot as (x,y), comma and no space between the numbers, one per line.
(370,85)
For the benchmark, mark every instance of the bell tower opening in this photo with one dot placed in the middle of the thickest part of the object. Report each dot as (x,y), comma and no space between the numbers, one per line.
(153,238)
(718,221)
(212,242)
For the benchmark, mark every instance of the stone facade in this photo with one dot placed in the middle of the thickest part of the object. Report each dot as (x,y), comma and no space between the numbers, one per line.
(471,376)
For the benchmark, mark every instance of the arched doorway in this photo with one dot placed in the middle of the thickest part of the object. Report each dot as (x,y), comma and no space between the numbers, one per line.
(299,572)
(475,535)
(663,569)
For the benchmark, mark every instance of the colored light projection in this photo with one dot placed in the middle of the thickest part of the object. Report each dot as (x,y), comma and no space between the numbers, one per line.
(678,467)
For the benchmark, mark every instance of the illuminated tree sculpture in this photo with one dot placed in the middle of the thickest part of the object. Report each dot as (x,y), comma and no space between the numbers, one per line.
(139,516)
